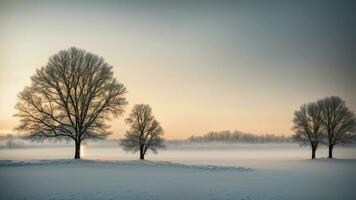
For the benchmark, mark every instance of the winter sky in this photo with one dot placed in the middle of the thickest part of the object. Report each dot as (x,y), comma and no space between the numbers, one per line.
(202,66)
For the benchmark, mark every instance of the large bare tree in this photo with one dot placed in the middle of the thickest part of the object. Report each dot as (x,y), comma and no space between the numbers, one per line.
(145,131)
(71,97)
(338,121)
(308,126)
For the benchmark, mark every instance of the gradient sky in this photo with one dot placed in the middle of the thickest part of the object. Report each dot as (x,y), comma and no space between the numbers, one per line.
(202,66)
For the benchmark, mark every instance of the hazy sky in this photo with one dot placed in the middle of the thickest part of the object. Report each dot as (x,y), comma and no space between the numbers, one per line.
(202,66)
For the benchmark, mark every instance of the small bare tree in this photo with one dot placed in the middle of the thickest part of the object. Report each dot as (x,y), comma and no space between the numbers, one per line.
(145,132)
(338,120)
(71,97)
(308,126)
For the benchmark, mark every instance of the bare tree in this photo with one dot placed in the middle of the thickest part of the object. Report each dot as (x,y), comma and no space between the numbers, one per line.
(338,121)
(145,132)
(308,126)
(71,97)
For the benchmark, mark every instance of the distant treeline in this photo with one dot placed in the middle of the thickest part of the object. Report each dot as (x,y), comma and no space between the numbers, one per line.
(11,142)
(238,137)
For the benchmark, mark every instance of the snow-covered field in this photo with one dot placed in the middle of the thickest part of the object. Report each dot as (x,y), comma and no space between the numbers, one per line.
(244,172)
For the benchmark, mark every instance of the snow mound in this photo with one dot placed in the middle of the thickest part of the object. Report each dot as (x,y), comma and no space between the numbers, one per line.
(137,163)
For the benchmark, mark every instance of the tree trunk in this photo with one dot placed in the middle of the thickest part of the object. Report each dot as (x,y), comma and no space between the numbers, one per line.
(77,150)
(313,152)
(142,155)
(314,146)
(331,147)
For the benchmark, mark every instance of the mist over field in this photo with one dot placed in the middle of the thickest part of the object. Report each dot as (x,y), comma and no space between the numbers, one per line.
(257,155)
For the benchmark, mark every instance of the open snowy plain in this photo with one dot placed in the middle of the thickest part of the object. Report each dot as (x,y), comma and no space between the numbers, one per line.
(224,172)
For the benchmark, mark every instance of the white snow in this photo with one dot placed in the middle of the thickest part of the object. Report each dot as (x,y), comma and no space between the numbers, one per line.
(95,179)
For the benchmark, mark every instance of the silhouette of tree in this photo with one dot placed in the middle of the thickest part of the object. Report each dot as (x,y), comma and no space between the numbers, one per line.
(308,126)
(338,120)
(145,132)
(71,97)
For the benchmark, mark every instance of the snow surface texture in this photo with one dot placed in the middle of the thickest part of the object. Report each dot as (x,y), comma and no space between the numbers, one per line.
(88,179)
